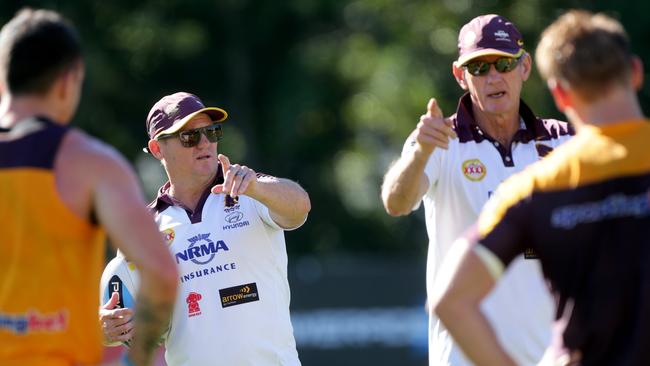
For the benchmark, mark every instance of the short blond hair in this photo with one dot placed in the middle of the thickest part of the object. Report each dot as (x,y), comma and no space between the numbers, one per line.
(590,52)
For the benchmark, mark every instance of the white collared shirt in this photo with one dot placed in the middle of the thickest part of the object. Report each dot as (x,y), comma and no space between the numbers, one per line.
(461,179)
(233,300)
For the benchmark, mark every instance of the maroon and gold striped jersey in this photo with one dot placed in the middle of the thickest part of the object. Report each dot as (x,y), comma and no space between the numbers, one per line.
(585,212)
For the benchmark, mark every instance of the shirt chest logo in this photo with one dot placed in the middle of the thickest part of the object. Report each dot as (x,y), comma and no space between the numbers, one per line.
(168,236)
(192,300)
(35,322)
(231,201)
(201,250)
(474,170)
(239,295)
(234,219)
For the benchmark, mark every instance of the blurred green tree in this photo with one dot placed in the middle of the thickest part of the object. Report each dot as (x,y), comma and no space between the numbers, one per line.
(320,91)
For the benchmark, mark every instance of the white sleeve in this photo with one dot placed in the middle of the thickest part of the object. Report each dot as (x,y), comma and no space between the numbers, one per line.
(265,215)
(431,169)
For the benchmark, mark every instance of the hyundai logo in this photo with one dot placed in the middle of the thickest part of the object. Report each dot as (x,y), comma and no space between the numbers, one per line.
(234,217)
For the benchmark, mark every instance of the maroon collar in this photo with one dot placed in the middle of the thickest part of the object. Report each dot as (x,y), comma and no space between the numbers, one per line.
(536,128)
(165,200)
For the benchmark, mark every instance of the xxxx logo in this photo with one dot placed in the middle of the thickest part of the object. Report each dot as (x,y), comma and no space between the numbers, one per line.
(168,235)
(474,170)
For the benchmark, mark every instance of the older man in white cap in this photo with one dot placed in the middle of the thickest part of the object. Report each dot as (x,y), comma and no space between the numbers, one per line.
(454,164)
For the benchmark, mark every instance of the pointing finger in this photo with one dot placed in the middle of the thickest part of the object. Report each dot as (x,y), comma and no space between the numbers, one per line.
(225,163)
(432,109)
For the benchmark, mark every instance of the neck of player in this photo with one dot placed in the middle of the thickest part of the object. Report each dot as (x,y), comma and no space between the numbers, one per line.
(620,104)
(15,109)
(188,190)
(500,126)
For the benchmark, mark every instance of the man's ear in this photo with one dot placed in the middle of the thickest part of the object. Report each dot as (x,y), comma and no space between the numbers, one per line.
(61,86)
(154,149)
(67,82)
(560,94)
(459,75)
(637,73)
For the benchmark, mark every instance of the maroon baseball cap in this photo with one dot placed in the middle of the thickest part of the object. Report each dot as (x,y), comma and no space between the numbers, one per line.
(489,35)
(172,112)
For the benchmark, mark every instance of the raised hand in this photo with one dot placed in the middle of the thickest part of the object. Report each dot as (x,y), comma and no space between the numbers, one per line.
(238,179)
(433,130)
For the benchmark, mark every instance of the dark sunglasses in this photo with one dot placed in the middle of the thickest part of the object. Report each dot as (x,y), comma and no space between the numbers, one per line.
(191,138)
(502,65)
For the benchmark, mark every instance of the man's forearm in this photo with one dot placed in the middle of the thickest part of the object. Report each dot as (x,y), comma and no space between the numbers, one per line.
(152,317)
(287,202)
(464,283)
(405,183)
(474,334)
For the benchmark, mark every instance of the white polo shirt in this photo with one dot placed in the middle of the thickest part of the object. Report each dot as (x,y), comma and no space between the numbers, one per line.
(232,306)
(461,179)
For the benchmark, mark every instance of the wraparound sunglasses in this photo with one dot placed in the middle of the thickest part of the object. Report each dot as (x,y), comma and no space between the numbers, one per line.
(502,65)
(191,138)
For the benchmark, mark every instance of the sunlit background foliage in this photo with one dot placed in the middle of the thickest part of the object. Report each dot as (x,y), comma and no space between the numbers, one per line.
(320,91)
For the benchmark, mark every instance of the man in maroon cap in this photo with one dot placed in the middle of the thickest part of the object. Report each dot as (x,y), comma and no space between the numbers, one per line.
(224,224)
(454,164)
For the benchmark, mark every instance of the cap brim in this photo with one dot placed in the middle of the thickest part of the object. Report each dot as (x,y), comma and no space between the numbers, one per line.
(216,115)
(488,52)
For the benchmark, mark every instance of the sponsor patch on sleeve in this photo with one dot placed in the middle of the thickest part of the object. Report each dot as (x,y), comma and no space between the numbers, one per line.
(237,295)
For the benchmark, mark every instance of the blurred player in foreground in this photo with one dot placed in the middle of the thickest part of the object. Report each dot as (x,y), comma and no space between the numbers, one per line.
(585,210)
(224,224)
(60,191)
(454,164)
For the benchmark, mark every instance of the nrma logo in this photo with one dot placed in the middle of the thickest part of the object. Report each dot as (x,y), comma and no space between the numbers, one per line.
(201,250)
